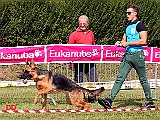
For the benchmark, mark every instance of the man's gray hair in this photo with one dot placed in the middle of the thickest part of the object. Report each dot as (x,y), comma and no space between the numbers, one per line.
(83,16)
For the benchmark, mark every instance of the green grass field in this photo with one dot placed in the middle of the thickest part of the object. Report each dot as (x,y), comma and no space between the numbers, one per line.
(23,97)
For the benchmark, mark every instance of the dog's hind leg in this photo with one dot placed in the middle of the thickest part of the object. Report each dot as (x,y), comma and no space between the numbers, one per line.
(81,103)
(87,105)
(44,101)
(76,98)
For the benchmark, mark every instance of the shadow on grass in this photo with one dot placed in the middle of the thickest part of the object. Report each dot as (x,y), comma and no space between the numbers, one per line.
(129,102)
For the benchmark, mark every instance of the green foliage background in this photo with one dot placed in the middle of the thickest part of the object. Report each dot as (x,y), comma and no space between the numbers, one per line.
(41,22)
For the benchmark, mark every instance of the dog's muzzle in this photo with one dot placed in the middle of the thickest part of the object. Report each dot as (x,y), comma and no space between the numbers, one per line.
(25,76)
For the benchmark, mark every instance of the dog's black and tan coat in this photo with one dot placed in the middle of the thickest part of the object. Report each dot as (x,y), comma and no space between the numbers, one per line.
(48,82)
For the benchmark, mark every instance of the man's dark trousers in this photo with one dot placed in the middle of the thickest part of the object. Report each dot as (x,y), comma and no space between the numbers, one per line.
(131,60)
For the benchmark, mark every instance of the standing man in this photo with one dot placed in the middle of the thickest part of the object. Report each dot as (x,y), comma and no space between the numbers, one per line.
(83,35)
(134,37)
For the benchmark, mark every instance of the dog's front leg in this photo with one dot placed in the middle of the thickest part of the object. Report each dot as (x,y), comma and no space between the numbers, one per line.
(36,97)
(40,92)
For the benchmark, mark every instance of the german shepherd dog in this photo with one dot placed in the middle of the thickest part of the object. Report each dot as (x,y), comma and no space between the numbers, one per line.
(48,82)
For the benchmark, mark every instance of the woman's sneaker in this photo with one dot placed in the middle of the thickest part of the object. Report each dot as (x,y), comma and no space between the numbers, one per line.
(106,102)
(148,104)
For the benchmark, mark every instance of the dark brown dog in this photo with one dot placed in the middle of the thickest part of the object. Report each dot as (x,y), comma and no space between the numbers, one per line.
(48,82)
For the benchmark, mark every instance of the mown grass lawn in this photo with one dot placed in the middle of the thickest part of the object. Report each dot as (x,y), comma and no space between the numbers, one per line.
(23,98)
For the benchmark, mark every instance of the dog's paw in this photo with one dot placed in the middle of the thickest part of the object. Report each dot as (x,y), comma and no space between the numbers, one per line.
(35,101)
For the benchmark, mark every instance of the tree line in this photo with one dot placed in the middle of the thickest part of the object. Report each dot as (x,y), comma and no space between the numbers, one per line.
(42,22)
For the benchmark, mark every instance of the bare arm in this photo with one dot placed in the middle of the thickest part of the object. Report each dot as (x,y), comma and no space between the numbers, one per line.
(141,41)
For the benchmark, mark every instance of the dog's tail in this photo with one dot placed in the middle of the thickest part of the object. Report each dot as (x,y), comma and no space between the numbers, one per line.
(93,93)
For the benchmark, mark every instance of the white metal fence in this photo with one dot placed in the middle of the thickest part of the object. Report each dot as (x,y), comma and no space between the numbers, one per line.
(107,73)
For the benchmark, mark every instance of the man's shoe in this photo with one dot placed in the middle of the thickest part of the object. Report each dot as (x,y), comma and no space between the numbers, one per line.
(148,104)
(92,100)
(106,102)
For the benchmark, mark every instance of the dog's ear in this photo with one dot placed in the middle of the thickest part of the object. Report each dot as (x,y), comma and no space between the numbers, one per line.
(32,64)
(32,61)
(27,63)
